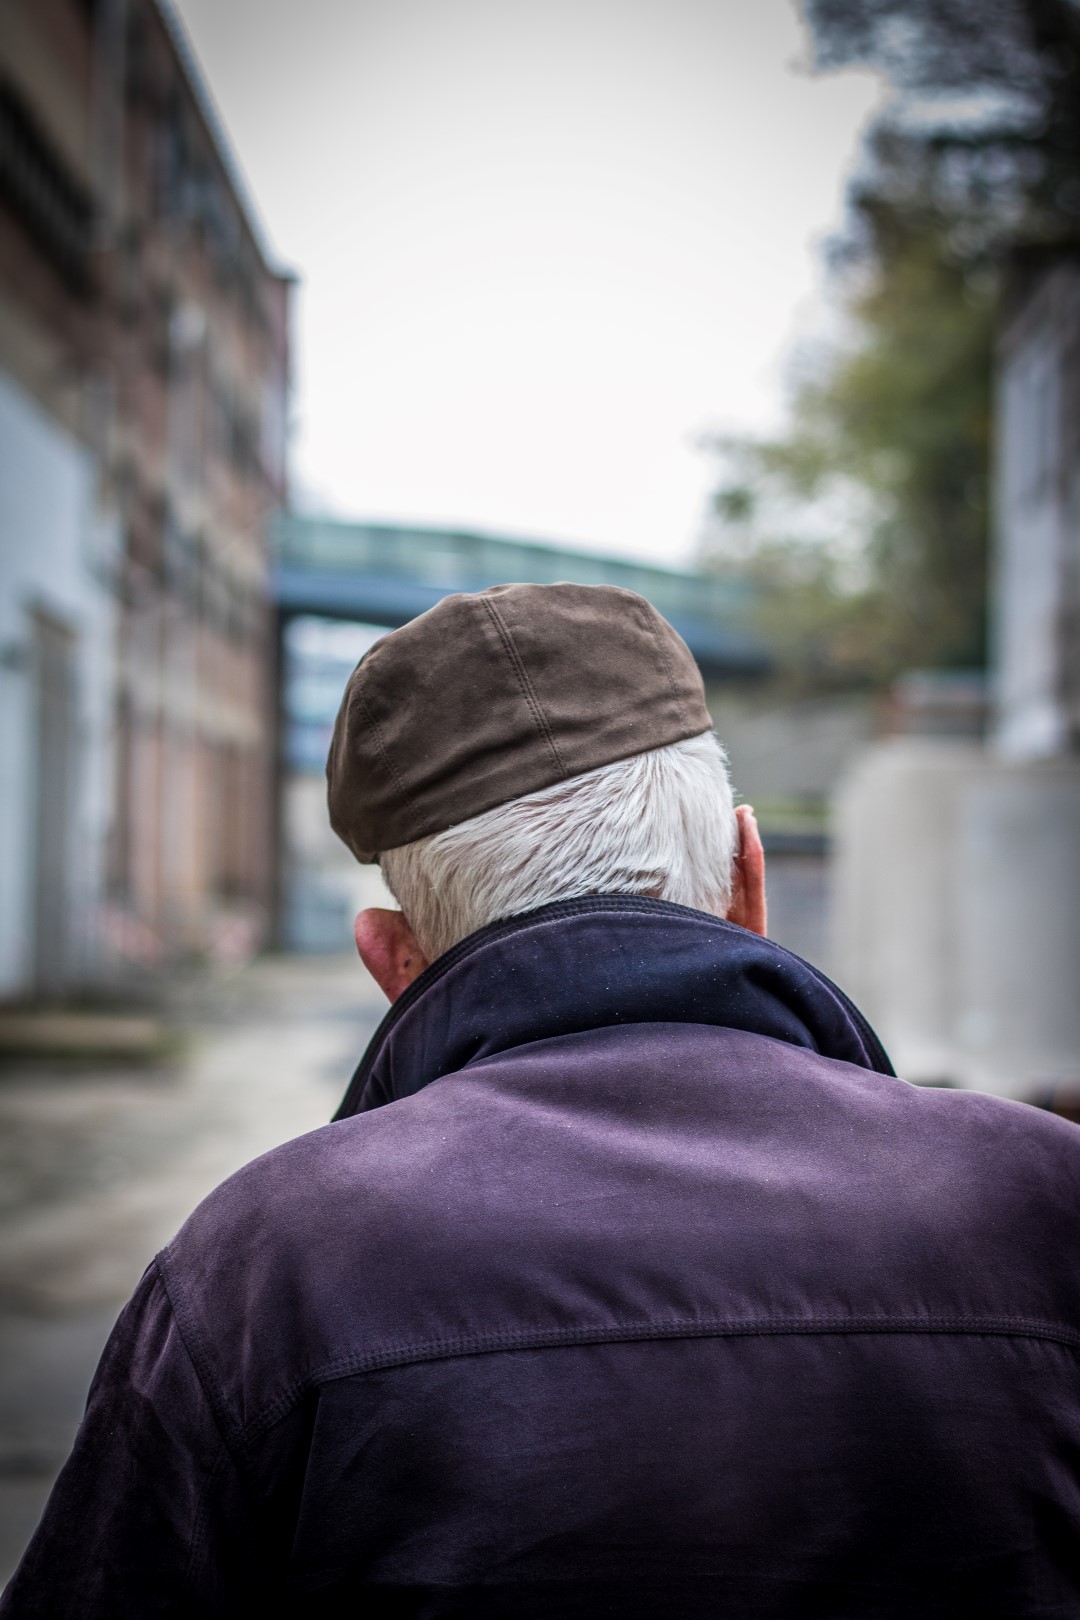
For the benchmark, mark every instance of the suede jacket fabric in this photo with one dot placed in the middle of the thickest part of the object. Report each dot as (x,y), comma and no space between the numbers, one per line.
(628,1282)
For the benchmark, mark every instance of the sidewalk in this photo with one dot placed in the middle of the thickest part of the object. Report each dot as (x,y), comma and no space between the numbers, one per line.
(100,1165)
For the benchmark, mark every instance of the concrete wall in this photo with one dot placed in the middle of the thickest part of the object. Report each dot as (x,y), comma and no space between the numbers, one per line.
(786,755)
(957,912)
(54,549)
(786,749)
(957,869)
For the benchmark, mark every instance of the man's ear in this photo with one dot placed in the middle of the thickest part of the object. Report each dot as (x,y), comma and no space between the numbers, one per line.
(747,906)
(388,949)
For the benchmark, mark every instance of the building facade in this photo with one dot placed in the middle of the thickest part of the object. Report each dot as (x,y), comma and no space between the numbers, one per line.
(143,396)
(1038,517)
(958,880)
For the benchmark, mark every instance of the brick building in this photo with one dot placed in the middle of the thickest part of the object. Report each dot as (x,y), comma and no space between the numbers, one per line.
(143,390)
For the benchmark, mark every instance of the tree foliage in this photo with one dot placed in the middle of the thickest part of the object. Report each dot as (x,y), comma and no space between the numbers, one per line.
(985,115)
(891,441)
(977,157)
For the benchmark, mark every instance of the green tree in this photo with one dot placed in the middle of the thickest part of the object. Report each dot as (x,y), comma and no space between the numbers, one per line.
(976,160)
(892,440)
(986,107)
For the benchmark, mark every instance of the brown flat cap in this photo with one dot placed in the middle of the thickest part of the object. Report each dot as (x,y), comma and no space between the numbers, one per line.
(488,697)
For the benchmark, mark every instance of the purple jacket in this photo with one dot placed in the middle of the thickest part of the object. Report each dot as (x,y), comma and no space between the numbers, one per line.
(628,1282)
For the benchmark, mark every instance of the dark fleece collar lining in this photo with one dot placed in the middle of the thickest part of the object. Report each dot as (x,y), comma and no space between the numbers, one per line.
(588,964)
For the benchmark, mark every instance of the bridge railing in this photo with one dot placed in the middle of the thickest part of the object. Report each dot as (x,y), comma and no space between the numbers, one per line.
(452,560)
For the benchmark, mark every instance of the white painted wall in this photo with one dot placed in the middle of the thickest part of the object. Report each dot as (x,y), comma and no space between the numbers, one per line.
(787,748)
(957,907)
(54,549)
(1031,723)
(957,869)
(1037,521)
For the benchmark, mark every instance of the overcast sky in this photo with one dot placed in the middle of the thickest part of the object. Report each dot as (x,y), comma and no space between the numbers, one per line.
(542,244)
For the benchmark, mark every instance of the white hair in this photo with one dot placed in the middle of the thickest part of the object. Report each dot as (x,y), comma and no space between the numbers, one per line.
(659,824)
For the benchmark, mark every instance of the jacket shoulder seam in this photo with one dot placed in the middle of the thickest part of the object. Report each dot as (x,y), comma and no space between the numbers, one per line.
(202,1510)
(230,1432)
(521,1339)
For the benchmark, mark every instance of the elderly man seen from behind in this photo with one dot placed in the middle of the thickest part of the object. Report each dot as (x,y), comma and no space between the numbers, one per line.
(628,1279)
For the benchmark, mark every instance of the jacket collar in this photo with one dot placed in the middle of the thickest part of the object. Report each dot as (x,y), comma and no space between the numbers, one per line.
(588,964)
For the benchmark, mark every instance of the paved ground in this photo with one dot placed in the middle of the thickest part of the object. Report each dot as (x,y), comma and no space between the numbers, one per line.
(99,1166)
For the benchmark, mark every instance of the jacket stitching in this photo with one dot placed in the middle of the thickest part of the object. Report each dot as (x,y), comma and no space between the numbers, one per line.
(539,718)
(229,1431)
(202,1514)
(523,1339)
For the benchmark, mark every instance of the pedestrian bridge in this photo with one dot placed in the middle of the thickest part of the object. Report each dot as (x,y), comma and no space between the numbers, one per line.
(383,574)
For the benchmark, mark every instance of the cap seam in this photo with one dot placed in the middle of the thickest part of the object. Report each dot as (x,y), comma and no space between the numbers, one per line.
(666,661)
(381,746)
(527,690)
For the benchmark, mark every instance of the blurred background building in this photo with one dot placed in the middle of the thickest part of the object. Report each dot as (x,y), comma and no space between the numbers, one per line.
(958,860)
(144,369)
